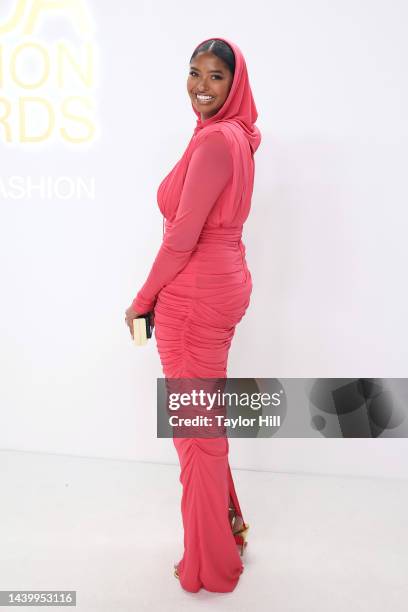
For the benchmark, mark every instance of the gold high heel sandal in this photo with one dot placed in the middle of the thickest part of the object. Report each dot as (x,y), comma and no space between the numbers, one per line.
(241,537)
(240,534)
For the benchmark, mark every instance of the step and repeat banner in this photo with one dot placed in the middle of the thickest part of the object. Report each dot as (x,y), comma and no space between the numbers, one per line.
(94,112)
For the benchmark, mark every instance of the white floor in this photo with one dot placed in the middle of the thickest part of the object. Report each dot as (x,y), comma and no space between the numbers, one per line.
(111,530)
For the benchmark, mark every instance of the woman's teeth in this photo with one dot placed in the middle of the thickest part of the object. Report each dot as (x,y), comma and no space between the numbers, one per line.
(204,99)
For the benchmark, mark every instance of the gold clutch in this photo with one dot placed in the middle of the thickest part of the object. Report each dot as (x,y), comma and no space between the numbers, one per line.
(142,329)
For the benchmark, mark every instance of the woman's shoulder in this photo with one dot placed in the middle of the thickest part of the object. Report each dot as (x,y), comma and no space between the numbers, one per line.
(211,157)
(213,143)
(212,136)
(225,135)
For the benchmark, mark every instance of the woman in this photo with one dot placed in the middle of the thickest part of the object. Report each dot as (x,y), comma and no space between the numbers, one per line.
(199,289)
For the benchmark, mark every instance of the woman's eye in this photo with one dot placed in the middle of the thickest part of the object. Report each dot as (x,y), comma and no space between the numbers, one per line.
(193,73)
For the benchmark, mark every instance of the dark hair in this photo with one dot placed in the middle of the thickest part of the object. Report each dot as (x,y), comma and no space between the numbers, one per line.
(221,49)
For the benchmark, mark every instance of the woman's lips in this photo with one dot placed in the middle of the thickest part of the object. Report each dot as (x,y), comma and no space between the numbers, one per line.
(204,100)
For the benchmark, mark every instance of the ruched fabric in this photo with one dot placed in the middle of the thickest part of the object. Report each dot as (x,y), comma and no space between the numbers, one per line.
(196,314)
(199,288)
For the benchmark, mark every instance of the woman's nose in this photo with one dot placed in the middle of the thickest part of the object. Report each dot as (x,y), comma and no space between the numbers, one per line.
(202,85)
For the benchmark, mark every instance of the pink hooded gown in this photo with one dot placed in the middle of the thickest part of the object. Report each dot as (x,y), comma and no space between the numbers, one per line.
(199,287)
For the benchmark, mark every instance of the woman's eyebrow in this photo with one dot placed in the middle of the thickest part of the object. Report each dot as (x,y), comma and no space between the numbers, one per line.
(194,68)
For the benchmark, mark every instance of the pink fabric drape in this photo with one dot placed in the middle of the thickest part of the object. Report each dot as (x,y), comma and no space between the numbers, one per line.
(199,287)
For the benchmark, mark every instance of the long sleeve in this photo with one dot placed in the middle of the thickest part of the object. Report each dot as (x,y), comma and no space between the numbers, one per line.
(209,170)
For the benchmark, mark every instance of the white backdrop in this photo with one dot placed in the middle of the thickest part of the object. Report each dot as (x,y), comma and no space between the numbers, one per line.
(325,239)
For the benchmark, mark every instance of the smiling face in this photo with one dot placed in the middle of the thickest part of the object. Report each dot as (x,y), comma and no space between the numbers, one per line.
(208,84)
